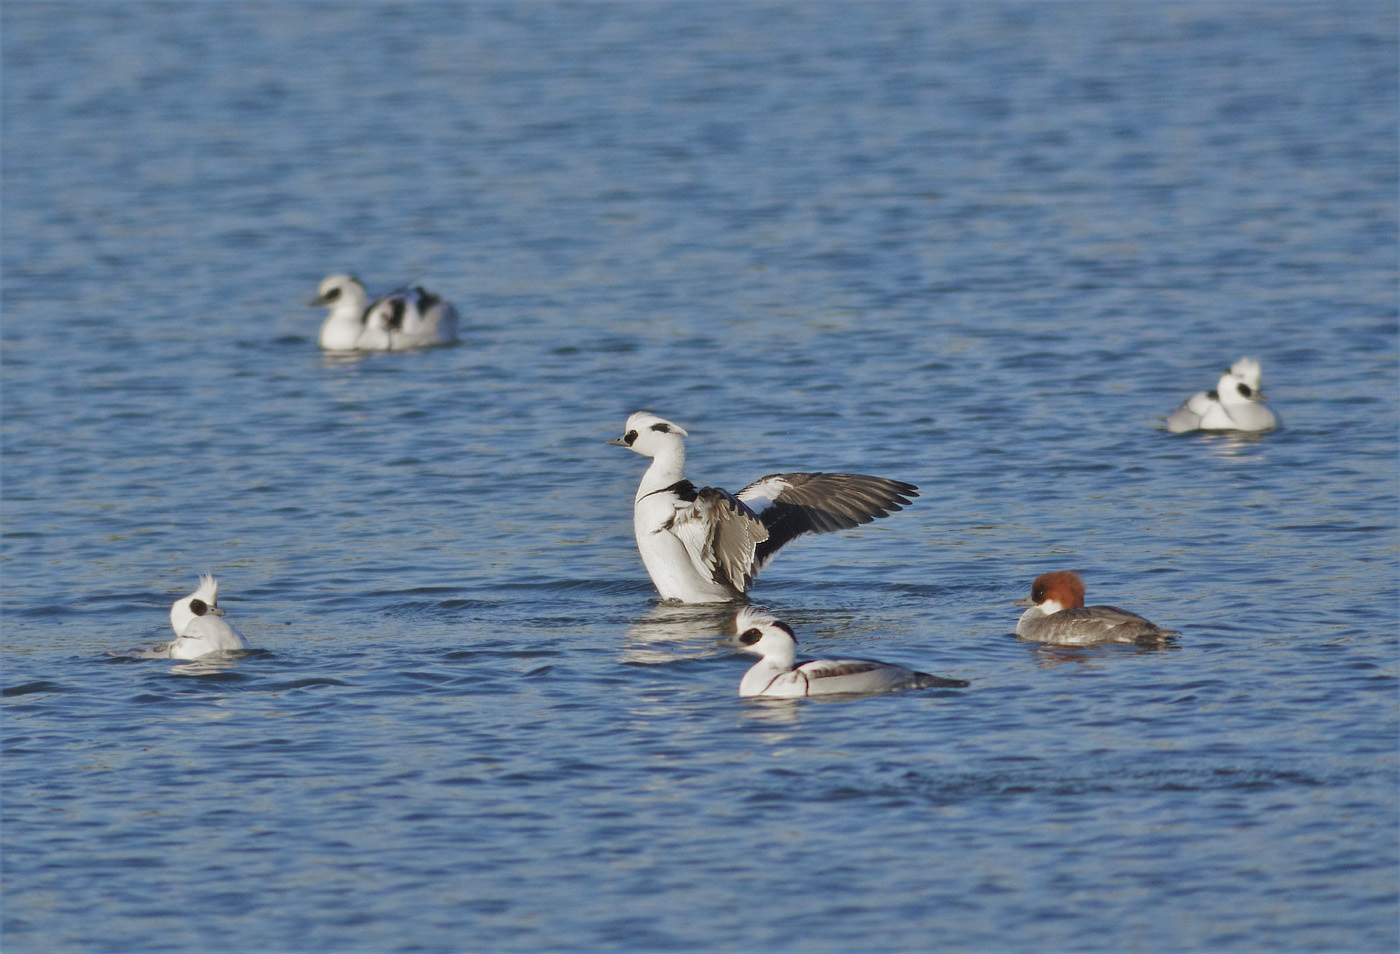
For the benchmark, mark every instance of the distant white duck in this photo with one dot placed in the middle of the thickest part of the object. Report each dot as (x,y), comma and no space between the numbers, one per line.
(1057,614)
(707,545)
(407,318)
(777,675)
(347,300)
(1234,405)
(199,625)
(411,318)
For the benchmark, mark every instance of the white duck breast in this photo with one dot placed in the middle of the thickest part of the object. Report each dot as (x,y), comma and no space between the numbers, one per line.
(778,676)
(199,625)
(347,300)
(707,545)
(1234,405)
(1057,614)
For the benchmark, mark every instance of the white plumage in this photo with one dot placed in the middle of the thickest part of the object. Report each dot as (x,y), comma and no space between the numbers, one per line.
(346,299)
(706,545)
(412,318)
(778,675)
(1234,405)
(407,318)
(199,625)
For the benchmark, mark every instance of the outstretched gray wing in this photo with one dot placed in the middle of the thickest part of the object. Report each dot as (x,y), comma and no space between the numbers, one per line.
(790,505)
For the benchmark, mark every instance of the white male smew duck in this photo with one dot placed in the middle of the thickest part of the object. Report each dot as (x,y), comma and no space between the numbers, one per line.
(199,625)
(778,676)
(1236,404)
(407,318)
(707,545)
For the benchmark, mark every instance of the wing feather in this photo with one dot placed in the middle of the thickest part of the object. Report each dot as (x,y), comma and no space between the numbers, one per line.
(896,677)
(1119,622)
(790,505)
(827,668)
(721,534)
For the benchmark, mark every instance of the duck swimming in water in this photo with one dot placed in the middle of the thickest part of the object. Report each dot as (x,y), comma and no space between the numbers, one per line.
(778,675)
(199,626)
(706,545)
(407,318)
(1057,614)
(1236,404)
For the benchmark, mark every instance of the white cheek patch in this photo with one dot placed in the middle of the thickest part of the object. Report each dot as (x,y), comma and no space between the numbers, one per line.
(1050,606)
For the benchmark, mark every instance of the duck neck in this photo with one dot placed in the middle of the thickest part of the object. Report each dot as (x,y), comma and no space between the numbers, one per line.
(782,659)
(666,468)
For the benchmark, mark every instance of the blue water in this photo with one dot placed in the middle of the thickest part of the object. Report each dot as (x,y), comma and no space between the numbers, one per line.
(977,246)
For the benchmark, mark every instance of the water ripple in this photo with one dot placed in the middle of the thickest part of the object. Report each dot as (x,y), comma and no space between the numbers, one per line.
(981,247)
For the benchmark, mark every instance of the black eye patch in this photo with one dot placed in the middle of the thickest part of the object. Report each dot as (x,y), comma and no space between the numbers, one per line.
(1246,390)
(199,607)
(332,295)
(631,438)
(750,636)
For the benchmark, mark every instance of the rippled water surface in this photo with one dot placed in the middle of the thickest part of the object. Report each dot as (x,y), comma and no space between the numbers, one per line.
(977,246)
